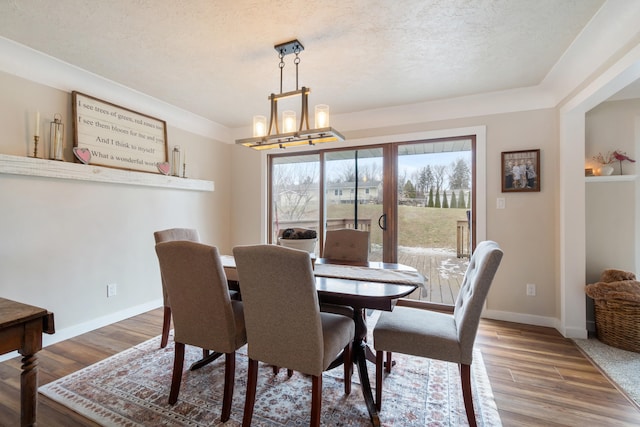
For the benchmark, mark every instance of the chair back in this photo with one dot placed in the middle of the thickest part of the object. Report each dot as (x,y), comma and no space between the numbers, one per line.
(203,313)
(281,309)
(170,235)
(346,244)
(473,292)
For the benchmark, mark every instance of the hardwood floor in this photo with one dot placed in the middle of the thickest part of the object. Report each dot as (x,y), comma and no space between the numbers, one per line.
(538,377)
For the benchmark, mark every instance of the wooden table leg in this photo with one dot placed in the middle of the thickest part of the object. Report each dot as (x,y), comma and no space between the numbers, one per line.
(204,361)
(28,390)
(360,350)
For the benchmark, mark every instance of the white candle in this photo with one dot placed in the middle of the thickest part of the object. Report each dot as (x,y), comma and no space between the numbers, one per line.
(37,123)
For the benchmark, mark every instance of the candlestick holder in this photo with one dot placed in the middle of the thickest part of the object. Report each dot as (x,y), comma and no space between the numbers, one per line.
(35,146)
(184,170)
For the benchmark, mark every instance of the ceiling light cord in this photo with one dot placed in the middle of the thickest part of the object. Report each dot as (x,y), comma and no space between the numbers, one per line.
(297,61)
(281,65)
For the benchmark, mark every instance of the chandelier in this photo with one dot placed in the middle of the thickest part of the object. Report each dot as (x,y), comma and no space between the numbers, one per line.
(292,134)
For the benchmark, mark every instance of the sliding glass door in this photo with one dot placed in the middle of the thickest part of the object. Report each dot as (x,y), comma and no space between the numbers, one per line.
(415,198)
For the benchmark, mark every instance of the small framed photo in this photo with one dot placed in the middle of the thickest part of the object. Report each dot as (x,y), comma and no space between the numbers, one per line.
(520,171)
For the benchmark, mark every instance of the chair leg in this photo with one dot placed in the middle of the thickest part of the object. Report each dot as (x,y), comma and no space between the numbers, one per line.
(348,368)
(166,325)
(389,361)
(289,373)
(316,400)
(205,353)
(250,399)
(465,376)
(229,379)
(379,367)
(178,364)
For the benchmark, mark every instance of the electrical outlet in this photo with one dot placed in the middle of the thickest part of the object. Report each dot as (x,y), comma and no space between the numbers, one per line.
(500,204)
(531,290)
(112,290)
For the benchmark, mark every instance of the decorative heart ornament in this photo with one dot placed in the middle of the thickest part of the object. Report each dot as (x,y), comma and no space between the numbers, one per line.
(83,154)
(164,168)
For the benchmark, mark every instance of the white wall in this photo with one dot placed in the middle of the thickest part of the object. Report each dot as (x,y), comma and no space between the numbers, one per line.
(63,241)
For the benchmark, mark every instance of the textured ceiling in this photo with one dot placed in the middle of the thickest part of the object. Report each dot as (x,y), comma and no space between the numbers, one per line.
(216,58)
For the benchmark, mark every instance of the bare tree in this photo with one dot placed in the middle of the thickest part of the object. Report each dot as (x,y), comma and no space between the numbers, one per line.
(294,186)
(439,173)
(370,171)
(424,180)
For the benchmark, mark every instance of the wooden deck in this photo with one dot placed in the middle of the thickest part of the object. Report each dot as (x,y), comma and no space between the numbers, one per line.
(443,270)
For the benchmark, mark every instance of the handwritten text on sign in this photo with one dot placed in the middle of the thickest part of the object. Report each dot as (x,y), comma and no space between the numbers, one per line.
(118,137)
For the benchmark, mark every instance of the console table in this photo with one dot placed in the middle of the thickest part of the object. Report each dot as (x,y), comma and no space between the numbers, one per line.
(21,328)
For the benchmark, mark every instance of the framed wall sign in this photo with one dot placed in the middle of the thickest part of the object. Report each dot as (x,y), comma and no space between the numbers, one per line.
(520,171)
(118,137)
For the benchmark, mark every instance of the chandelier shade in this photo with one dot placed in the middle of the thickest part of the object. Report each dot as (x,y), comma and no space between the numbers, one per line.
(292,133)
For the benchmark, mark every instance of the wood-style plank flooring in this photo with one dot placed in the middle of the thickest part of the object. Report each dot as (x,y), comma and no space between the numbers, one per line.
(538,377)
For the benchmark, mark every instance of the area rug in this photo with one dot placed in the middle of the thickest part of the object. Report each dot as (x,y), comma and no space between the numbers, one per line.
(131,389)
(621,366)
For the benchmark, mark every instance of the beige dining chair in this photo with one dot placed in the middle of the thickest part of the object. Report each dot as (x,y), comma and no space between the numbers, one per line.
(346,245)
(204,314)
(285,327)
(169,235)
(448,336)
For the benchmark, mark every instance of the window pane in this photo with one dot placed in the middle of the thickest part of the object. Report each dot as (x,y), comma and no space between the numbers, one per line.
(295,193)
(344,204)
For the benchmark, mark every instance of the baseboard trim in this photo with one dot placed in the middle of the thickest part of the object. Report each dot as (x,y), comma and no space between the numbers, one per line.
(528,319)
(75,330)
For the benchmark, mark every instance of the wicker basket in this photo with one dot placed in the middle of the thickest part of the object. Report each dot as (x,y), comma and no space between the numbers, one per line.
(618,323)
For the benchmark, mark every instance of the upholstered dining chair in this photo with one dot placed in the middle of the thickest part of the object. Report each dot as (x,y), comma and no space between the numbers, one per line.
(204,314)
(448,336)
(285,327)
(346,245)
(170,235)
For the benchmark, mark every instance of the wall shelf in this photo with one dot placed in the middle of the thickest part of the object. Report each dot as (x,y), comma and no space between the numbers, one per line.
(18,165)
(610,178)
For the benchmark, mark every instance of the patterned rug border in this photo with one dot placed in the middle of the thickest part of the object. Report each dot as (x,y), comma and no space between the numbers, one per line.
(107,408)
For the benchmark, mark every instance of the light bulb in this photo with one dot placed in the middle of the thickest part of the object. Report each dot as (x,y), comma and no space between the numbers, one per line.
(259,126)
(289,121)
(322,116)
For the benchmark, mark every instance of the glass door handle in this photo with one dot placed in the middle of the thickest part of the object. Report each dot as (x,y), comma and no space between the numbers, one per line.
(382,221)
